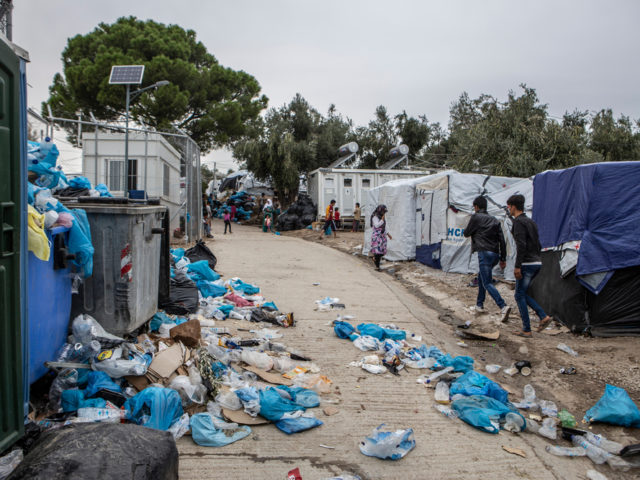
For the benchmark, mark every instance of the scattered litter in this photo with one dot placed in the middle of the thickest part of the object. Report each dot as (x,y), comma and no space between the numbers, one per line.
(9,462)
(514,451)
(566,419)
(567,349)
(492,368)
(294,474)
(388,445)
(327,446)
(568,370)
(595,475)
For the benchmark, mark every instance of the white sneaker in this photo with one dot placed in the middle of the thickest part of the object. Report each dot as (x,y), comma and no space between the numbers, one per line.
(504,314)
(477,310)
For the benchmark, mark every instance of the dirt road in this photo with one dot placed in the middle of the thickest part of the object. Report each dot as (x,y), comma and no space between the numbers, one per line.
(286,268)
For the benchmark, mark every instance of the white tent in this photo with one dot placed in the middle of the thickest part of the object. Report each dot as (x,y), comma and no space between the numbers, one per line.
(427,217)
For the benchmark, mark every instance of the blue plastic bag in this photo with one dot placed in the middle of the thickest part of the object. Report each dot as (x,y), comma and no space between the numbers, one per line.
(154,407)
(273,405)
(97,381)
(474,383)
(206,434)
(301,396)
(388,445)
(433,352)
(614,407)
(482,412)
(246,288)
(80,182)
(200,270)
(269,306)
(344,330)
(210,289)
(380,333)
(460,364)
(103,190)
(177,253)
(295,425)
(72,400)
(80,242)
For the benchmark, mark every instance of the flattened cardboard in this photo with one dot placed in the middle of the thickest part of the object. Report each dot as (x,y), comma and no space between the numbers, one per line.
(269,377)
(243,418)
(479,335)
(139,383)
(167,361)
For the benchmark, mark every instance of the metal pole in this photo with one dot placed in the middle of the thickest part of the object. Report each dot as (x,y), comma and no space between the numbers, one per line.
(95,162)
(79,141)
(146,161)
(126,147)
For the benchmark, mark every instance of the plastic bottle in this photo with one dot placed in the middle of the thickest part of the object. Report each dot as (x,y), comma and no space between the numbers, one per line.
(596,454)
(548,428)
(438,374)
(442,392)
(446,411)
(513,422)
(105,415)
(603,443)
(566,451)
(529,394)
(567,349)
(567,420)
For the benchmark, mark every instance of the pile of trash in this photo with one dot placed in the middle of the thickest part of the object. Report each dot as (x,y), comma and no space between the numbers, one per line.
(462,393)
(46,214)
(299,215)
(243,202)
(186,372)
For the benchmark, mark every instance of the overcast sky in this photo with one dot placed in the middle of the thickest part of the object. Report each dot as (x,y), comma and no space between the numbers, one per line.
(417,56)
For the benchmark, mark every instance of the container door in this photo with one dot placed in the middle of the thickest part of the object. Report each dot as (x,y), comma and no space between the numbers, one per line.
(423,216)
(348,196)
(11,334)
(329,190)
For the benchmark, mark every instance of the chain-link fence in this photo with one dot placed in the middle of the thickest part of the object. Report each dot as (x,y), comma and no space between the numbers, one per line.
(164,165)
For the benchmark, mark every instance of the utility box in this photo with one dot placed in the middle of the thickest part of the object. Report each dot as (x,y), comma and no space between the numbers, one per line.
(122,293)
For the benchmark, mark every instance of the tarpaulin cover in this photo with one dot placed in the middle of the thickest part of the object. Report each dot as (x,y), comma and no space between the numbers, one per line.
(598,204)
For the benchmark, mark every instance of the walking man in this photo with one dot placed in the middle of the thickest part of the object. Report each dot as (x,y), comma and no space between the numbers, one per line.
(487,239)
(528,264)
(329,220)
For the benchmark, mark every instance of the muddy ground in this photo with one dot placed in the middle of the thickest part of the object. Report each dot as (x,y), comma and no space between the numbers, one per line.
(600,360)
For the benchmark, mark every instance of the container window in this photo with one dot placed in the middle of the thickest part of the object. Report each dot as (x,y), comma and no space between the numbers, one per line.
(347,182)
(165,180)
(366,182)
(115,174)
(328,182)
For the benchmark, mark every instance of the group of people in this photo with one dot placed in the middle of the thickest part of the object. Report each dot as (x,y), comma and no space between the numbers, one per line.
(270,212)
(487,240)
(334,222)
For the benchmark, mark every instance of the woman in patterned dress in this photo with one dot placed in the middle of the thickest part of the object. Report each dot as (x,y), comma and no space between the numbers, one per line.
(379,234)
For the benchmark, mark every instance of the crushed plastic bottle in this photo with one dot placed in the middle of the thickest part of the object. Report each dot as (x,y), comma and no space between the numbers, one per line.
(446,411)
(514,422)
(104,415)
(594,475)
(567,349)
(548,428)
(548,408)
(442,392)
(603,443)
(567,420)
(596,454)
(566,451)
(436,375)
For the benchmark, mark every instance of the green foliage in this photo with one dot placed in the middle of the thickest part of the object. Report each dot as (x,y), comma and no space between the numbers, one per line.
(291,141)
(210,102)
(518,138)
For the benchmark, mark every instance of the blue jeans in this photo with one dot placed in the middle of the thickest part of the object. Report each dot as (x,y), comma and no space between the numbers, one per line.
(486,262)
(522,299)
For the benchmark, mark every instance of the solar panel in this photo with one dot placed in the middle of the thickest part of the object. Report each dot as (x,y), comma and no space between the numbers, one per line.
(126,74)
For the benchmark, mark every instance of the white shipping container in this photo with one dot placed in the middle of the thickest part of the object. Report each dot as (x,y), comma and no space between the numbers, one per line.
(350,186)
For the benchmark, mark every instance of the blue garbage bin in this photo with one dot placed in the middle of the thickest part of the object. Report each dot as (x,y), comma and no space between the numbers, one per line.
(49,307)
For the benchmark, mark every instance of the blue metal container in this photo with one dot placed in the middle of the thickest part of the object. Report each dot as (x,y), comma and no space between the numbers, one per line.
(49,297)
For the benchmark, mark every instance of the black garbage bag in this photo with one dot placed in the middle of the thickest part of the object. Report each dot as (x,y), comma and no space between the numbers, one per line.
(307,219)
(109,451)
(201,252)
(183,296)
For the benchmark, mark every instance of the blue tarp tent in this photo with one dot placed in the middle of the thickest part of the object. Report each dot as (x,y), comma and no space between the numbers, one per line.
(596,209)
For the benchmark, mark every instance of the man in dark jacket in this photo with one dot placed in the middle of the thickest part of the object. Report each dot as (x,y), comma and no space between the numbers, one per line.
(528,263)
(487,239)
